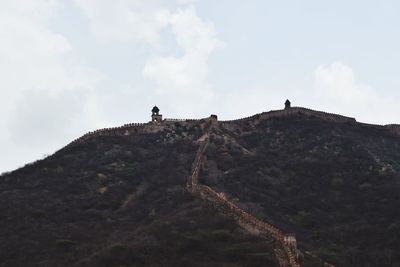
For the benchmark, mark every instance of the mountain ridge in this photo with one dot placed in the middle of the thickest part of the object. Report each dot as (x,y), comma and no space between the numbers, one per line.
(295,168)
(263,115)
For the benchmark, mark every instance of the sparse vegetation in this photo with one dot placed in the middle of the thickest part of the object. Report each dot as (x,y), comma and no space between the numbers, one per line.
(321,180)
(121,200)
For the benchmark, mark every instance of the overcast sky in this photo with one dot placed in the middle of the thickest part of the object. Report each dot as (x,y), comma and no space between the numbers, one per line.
(68,67)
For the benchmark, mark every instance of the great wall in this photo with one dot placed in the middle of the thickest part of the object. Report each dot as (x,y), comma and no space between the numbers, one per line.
(155,126)
(286,250)
(285,244)
(294,110)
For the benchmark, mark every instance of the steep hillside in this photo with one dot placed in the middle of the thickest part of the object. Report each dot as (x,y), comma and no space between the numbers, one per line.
(119,201)
(336,184)
(119,197)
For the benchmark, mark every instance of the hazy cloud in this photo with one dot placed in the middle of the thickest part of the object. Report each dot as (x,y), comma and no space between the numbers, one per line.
(71,66)
(126,19)
(43,118)
(39,75)
(50,93)
(338,82)
(175,75)
(184,2)
(338,90)
(186,75)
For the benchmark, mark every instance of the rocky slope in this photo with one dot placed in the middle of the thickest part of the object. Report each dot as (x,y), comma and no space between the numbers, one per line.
(118,197)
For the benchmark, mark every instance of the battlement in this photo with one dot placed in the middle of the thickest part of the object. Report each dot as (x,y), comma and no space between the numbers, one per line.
(292,111)
(179,120)
(159,124)
(322,114)
(126,129)
(132,128)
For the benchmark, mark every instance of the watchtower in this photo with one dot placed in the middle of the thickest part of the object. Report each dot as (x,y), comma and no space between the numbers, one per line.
(287,104)
(155,116)
(290,240)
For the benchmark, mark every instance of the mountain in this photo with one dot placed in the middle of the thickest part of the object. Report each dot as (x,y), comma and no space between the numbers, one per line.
(292,187)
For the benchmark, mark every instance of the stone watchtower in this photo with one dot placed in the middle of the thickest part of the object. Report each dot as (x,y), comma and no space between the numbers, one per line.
(287,104)
(155,116)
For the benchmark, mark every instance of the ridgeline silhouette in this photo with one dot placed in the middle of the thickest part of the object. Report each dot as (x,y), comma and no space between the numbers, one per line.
(288,188)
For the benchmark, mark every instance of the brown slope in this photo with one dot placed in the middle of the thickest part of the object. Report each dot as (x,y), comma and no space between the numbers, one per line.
(118,201)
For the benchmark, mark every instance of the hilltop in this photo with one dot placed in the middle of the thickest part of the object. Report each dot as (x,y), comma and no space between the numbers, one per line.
(136,195)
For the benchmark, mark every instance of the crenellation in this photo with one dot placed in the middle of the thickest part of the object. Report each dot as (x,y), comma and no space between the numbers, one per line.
(174,120)
(294,111)
(158,124)
(124,130)
(169,120)
(289,110)
(324,115)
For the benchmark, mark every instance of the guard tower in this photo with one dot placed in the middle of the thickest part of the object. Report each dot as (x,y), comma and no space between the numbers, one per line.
(287,104)
(155,116)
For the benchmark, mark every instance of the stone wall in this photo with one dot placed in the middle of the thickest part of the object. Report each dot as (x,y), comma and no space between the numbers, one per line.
(286,244)
(294,111)
(151,127)
(179,120)
(127,129)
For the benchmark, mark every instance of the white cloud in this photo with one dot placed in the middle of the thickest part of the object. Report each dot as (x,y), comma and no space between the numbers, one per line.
(337,90)
(29,50)
(33,56)
(47,91)
(126,19)
(186,76)
(194,34)
(38,72)
(174,77)
(337,81)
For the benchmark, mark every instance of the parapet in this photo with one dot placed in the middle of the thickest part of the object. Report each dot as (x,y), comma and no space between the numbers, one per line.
(322,114)
(293,111)
(125,130)
(134,128)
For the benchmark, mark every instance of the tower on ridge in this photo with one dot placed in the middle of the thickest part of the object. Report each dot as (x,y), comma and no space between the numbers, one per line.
(155,116)
(287,104)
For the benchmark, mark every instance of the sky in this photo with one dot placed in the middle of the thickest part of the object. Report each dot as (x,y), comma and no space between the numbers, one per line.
(69,67)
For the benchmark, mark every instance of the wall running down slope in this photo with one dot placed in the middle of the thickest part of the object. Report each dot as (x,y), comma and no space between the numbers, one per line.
(285,244)
(286,250)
